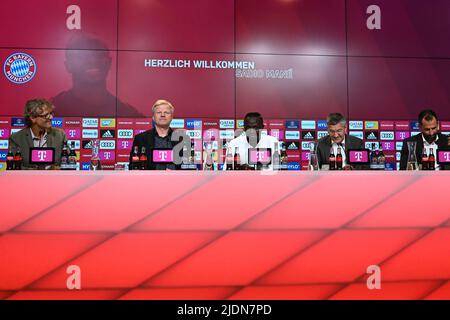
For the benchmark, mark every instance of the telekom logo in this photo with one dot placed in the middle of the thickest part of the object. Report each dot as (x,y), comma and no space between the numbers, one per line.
(358,156)
(125,144)
(163,155)
(260,155)
(447,156)
(42,155)
(72,133)
(107,155)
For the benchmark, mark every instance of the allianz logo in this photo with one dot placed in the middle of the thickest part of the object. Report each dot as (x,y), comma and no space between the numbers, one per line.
(292,135)
(90,133)
(177,123)
(227,134)
(357,134)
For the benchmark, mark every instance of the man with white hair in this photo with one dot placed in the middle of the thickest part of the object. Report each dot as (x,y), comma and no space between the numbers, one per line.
(159,137)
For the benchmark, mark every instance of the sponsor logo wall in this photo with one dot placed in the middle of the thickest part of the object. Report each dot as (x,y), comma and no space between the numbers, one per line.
(116,136)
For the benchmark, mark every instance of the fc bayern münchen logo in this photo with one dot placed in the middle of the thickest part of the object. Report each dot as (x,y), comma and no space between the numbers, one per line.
(19,68)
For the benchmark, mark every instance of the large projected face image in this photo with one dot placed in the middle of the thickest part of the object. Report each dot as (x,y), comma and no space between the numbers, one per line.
(89,96)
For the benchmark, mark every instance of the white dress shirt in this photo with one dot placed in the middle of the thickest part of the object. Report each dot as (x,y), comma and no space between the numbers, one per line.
(39,142)
(242,144)
(335,147)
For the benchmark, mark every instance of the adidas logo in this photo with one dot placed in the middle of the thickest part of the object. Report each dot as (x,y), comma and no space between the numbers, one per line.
(107,134)
(371,136)
(293,146)
(88,145)
(308,136)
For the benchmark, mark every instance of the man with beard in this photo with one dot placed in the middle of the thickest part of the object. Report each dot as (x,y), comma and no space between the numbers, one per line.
(429,138)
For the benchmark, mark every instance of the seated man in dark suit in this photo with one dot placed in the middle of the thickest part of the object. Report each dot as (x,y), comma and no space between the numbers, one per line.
(337,138)
(38,133)
(429,138)
(161,137)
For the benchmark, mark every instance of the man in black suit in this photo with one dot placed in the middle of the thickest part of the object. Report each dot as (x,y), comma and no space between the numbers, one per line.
(430,138)
(162,137)
(337,138)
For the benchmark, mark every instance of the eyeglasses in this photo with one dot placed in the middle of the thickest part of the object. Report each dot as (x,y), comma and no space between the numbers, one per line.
(48,115)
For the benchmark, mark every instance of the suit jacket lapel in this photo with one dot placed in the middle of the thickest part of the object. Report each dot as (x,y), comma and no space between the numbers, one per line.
(28,138)
(50,140)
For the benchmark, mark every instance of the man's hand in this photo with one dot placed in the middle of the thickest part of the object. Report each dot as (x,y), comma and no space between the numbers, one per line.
(448,141)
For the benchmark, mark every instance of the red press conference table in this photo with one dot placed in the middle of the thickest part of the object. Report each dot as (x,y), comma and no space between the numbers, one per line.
(233,235)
